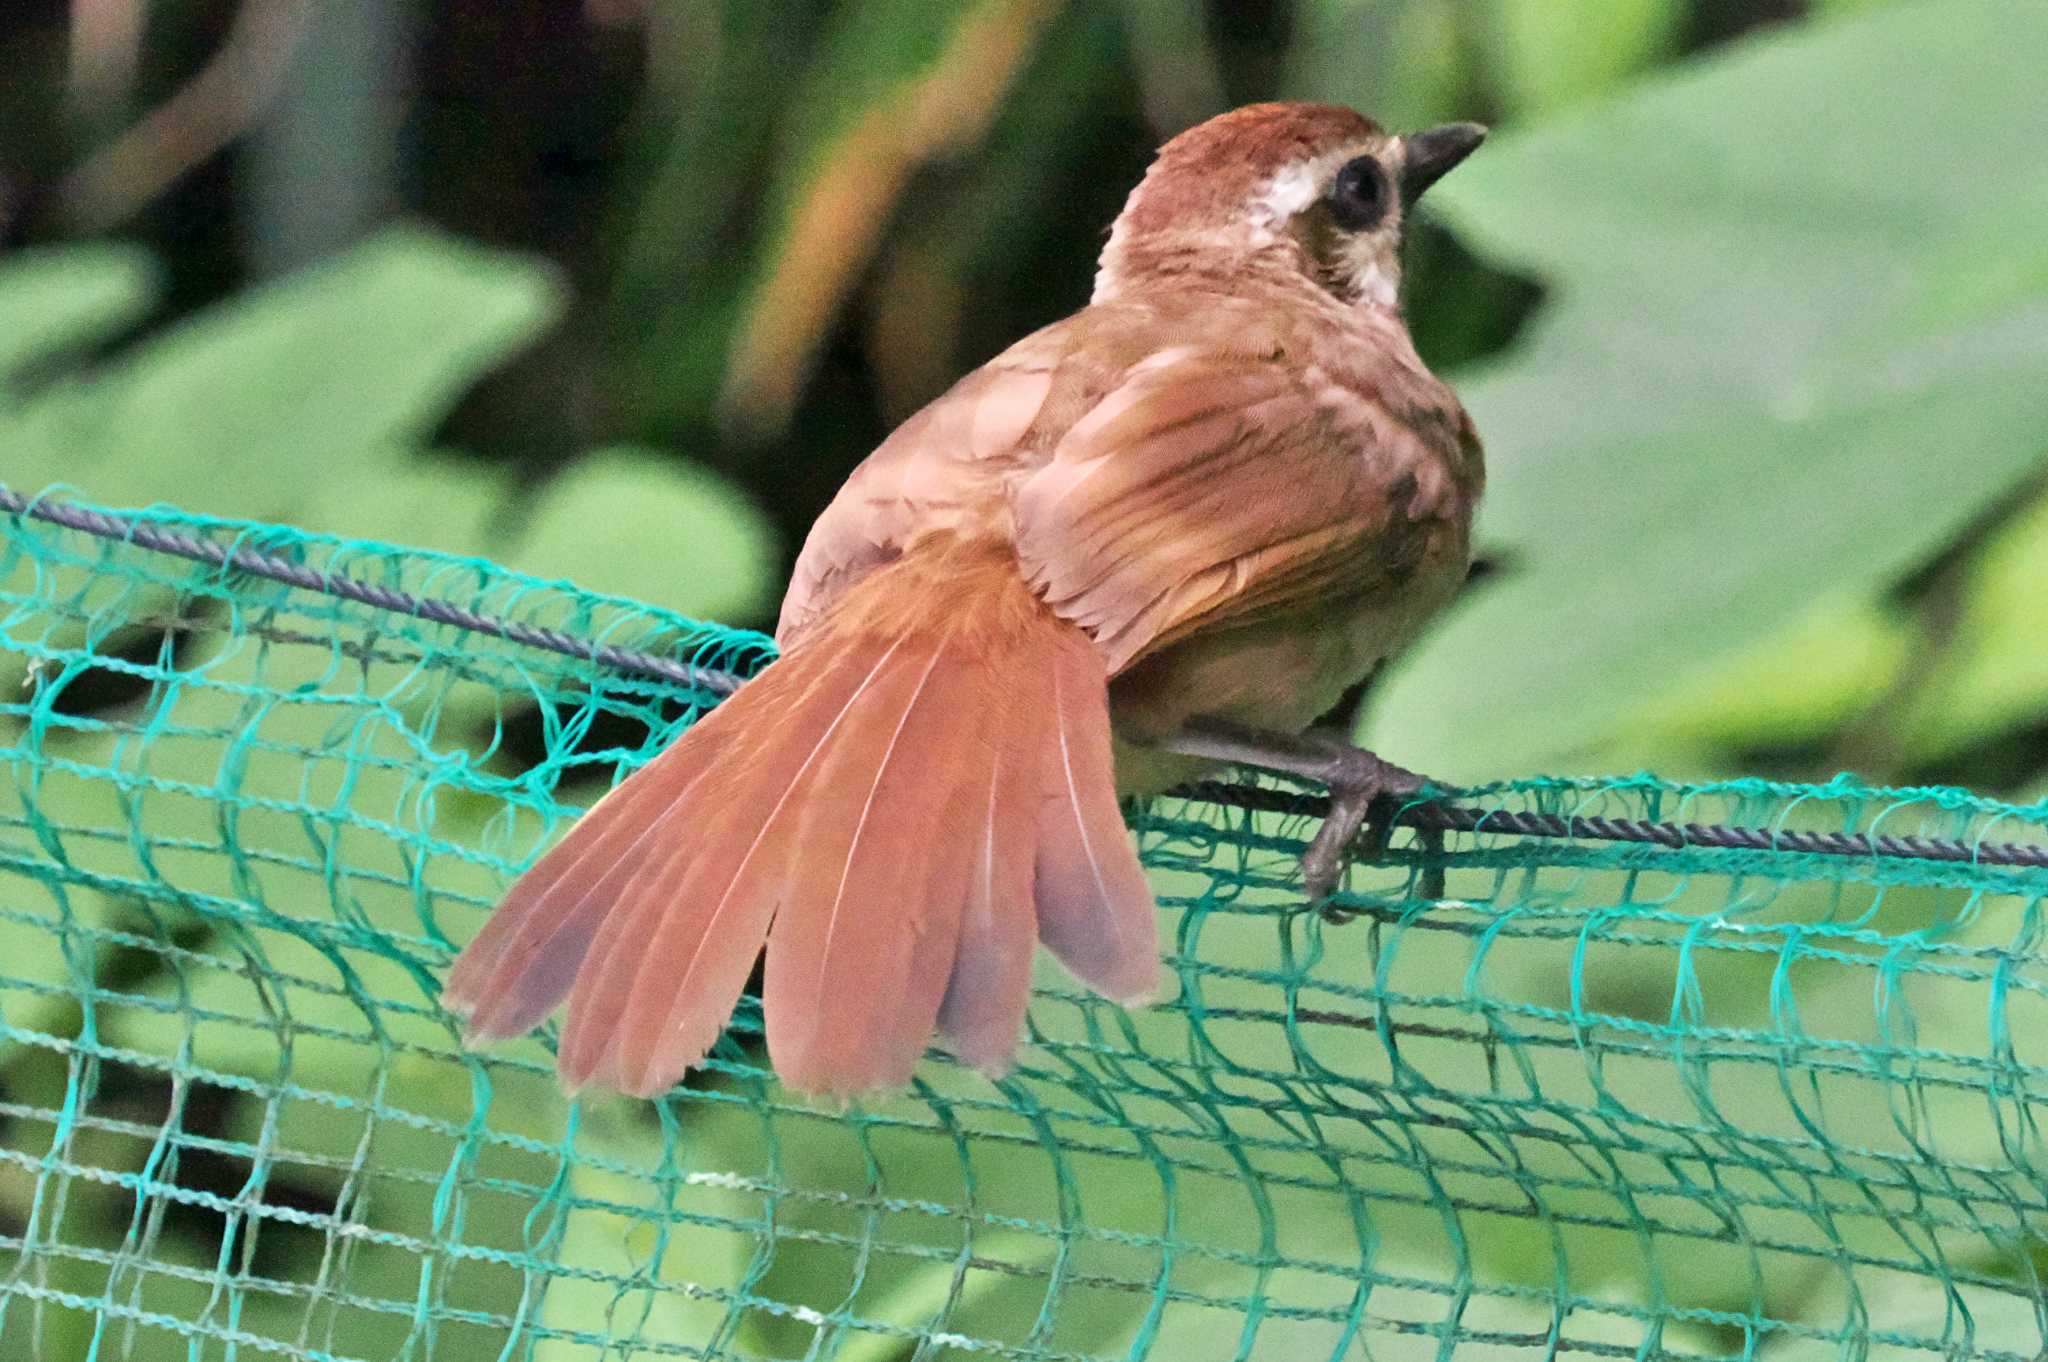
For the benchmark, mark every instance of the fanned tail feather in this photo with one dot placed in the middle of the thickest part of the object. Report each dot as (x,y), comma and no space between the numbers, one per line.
(1095,911)
(522,963)
(841,952)
(691,930)
(990,986)
(900,807)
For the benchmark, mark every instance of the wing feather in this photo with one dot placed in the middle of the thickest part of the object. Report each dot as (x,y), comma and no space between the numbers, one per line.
(1208,491)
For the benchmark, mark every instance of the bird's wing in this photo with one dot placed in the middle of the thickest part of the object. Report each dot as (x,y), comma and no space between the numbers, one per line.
(940,470)
(1152,492)
(1212,489)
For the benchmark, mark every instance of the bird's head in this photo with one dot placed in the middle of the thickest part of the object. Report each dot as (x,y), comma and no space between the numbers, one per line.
(1316,189)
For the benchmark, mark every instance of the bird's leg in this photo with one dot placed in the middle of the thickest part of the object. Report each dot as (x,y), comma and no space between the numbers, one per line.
(1354,777)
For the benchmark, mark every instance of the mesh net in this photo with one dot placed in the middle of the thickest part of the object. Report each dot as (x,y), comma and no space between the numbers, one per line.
(1590,1099)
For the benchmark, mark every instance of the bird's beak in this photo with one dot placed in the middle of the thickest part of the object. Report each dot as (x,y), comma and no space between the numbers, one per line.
(1430,156)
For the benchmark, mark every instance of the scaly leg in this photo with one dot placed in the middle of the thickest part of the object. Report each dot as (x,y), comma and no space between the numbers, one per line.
(1353,776)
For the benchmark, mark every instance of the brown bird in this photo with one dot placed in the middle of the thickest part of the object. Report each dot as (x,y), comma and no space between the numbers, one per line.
(1190,515)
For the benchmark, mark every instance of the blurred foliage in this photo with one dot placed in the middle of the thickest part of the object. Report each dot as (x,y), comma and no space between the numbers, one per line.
(1749,298)
(307,401)
(1775,369)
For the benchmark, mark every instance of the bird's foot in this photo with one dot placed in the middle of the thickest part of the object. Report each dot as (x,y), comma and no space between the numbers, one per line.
(1356,779)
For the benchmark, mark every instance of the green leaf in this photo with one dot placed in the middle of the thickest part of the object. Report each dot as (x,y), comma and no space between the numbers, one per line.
(1550,53)
(1989,677)
(644,1261)
(1994,675)
(384,1176)
(88,1206)
(58,299)
(1961,1319)
(634,522)
(1798,686)
(47,937)
(1747,394)
(1404,62)
(255,406)
(422,500)
(283,991)
(963,1239)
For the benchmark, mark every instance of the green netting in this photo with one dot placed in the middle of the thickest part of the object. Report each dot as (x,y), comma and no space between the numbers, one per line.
(1596,1100)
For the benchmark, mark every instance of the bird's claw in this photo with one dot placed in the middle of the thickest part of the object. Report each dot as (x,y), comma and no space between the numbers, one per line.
(1356,779)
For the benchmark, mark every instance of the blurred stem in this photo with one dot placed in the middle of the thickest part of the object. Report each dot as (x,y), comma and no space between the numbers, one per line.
(207,113)
(834,221)
(106,40)
(323,163)
(971,233)
(913,328)
(1178,77)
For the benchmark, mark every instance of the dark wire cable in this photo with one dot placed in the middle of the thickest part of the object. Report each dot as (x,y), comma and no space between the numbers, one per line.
(274,568)
(1425,815)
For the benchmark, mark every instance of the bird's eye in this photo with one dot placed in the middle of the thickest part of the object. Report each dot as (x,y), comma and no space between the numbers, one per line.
(1359,197)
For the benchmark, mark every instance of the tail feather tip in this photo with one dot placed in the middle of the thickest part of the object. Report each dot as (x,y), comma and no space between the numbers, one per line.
(989,1062)
(1154,990)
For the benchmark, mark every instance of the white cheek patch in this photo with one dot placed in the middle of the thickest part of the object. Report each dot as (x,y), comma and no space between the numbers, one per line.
(1376,281)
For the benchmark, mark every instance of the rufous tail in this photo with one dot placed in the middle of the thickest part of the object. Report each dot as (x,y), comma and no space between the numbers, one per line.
(901,806)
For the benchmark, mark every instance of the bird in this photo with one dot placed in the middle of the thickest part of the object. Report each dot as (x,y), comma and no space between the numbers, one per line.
(1167,532)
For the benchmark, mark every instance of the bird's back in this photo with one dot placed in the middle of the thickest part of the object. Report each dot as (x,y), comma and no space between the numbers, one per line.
(956,466)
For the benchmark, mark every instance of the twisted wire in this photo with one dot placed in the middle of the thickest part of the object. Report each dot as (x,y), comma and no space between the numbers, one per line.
(274,568)
(1432,813)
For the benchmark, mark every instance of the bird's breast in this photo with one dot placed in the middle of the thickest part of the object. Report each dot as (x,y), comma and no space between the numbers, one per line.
(1282,673)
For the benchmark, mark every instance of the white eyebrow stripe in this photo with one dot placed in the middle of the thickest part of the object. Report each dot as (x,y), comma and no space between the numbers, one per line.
(1294,187)
(1288,192)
